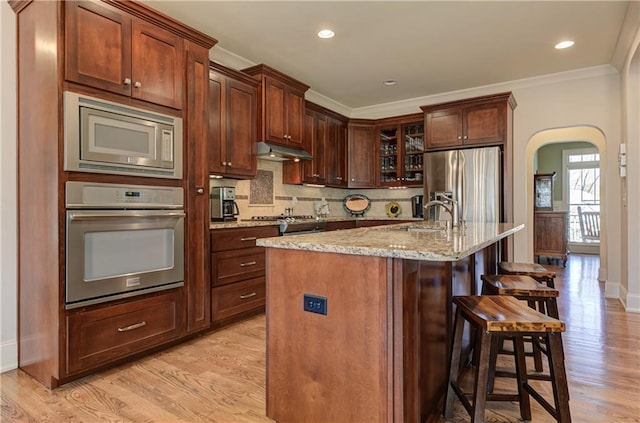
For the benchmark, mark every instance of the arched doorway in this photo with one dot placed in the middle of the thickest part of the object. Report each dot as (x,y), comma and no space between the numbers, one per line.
(563,135)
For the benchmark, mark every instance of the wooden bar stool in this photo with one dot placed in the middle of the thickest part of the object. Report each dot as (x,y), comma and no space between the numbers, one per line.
(498,316)
(539,297)
(535,270)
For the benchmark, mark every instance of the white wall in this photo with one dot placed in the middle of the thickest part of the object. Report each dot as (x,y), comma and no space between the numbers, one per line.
(8,278)
(630,289)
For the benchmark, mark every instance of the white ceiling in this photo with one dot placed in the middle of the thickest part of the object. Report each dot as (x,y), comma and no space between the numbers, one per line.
(430,47)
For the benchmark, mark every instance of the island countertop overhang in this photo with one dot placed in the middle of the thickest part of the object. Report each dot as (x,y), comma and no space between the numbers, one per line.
(413,241)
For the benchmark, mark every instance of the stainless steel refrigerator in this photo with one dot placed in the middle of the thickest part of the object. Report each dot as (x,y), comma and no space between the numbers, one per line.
(472,177)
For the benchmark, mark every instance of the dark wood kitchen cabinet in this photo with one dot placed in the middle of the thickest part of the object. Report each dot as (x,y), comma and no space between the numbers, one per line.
(197,289)
(280,106)
(399,149)
(113,51)
(324,137)
(362,144)
(476,122)
(472,122)
(238,272)
(91,47)
(109,333)
(312,171)
(233,120)
(337,153)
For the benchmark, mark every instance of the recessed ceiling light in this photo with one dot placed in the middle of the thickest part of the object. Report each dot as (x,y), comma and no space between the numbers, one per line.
(326,33)
(564,44)
(390,82)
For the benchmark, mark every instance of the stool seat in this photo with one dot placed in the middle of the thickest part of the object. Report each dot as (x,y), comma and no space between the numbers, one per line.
(492,318)
(535,270)
(517,286)
(495,313)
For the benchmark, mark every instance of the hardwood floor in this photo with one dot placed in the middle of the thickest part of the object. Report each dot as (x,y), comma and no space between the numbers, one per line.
(220,377)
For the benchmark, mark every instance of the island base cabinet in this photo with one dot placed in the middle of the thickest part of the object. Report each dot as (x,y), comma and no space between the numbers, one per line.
(380,353)
(334,367)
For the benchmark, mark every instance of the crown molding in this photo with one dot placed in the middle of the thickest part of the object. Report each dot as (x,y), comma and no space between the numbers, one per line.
(413,105)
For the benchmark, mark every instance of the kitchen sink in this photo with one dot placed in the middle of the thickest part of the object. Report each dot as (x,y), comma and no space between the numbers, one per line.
(419,228)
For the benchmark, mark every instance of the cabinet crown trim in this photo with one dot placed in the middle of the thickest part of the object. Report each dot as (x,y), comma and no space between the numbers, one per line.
(266,70)
(507,96)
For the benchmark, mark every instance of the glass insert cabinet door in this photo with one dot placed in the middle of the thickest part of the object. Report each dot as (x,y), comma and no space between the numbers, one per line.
(543,190)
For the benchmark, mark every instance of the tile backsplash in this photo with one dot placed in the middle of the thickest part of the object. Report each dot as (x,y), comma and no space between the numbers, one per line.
(252,195)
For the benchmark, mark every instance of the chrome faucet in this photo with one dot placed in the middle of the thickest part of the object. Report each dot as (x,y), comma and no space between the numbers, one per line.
(451,208)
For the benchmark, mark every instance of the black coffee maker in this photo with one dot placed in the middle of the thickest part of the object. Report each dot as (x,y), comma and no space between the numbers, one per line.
(417,206)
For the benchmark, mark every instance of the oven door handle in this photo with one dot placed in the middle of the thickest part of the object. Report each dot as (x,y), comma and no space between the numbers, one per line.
(126,215)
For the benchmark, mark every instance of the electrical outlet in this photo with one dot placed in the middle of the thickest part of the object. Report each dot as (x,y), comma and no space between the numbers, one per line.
(314,304)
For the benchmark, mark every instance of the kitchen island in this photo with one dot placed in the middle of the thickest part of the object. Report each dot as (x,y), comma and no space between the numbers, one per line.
(373,344)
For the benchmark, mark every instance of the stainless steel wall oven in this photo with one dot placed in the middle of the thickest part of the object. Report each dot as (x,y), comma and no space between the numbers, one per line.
(122,240)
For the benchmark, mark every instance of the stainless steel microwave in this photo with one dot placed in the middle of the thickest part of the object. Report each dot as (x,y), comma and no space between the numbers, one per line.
(106,137)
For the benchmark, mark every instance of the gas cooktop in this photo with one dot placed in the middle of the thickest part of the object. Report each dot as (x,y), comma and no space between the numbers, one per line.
(282,217)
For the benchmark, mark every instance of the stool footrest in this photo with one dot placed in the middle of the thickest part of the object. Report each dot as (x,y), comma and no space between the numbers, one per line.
(543,402)
(534,376)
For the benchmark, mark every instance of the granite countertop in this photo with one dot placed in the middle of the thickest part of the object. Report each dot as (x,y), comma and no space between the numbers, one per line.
(414,241)
(251,223)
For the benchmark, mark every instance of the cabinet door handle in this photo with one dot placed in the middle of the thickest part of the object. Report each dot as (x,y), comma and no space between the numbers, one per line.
(249,238)
(249,263)
(132,327)
(229,164)
(137,84)
(459,138)
(224,163)
(200,191)
(245,296)
(465,137)
(127,81)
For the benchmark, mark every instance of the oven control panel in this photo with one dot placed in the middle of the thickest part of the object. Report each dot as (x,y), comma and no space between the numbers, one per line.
(117,196)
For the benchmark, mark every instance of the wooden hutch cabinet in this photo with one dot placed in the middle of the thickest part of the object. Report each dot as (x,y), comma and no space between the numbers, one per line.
(550,229)
(102,49)
(233,121)
(280,106)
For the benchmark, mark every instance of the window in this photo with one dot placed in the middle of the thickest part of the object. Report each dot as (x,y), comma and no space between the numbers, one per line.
(582,187)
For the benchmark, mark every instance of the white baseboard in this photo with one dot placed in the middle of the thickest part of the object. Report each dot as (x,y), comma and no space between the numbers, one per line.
(8,356)
(631,302)
(612,290)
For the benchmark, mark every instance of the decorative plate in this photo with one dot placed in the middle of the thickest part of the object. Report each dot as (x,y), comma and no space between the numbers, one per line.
(356,204)
(393,209)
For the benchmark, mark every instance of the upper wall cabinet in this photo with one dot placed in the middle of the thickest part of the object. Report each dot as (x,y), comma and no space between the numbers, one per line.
(233,121)
(112,51)
(476,121)
(400,149)
(281,107)
(362,144)
(325,138)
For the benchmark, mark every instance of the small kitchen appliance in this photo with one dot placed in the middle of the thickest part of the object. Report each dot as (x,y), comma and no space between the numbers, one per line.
(417,206)
(223,204)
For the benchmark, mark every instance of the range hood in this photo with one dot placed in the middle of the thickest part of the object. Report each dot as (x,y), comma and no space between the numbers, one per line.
(279,153)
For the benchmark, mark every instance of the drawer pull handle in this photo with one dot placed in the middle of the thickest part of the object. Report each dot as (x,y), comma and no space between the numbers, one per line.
(249,263)
(132,327)
(245,296)
(250,238)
